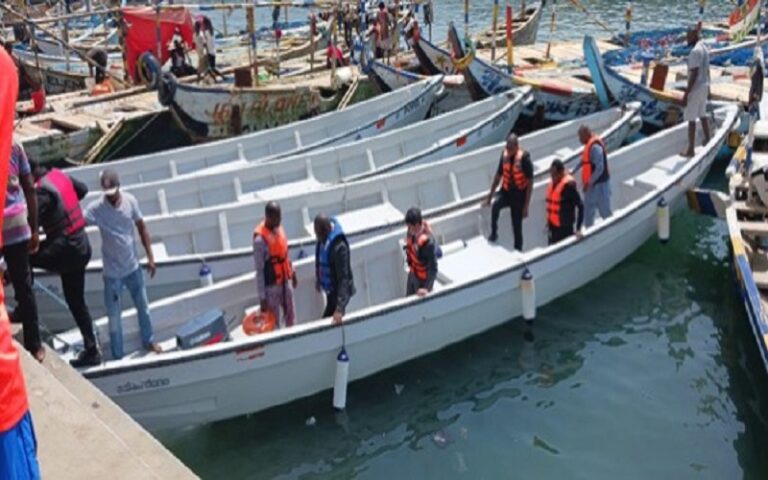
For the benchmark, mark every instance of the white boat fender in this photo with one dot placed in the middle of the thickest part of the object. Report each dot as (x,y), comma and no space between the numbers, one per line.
(528,292)
(342,377)
(206,276)
(662,220)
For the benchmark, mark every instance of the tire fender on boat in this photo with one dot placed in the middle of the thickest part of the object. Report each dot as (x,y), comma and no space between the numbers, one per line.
(148,70)
(166,90)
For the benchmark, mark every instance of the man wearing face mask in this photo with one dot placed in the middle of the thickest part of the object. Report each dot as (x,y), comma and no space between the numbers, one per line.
(116,214)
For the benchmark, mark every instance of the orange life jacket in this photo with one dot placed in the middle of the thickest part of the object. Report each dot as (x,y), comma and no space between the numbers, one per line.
(586,161)
(512,170)
(277,268)
(413,244)
(68,218)
(103,88)
(555,199)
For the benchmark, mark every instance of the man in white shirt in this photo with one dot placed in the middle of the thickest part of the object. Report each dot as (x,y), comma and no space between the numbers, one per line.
(697,91)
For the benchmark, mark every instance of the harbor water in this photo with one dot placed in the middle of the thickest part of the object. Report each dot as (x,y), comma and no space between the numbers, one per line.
(649,372)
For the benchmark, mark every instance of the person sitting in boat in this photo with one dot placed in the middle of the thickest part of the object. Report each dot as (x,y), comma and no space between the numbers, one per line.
(563,201)
(116,214)
(102,83)
(421,250)
(178,52)
(333,269)
(595,177)
(515,174)
(697,90)
(275,280)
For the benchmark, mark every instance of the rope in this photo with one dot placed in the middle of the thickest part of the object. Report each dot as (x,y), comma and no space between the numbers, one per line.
(600,23)
(461,64)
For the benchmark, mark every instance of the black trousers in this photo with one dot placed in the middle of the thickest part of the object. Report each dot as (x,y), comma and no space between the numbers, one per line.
(58,255)
(558,234)
(17,259)
(515,201)
(330,304)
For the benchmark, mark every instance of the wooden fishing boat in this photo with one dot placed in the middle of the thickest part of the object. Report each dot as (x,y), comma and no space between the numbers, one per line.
(480,285)
(476,125)
(56,79)
(362,120)
(388,78)
(556,100)
(660,108)
(524,29)
(220,237)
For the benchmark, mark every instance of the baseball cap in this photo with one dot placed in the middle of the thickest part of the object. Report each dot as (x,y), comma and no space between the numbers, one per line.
(110,182)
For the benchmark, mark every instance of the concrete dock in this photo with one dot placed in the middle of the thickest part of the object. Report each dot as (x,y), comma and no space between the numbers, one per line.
(82,434)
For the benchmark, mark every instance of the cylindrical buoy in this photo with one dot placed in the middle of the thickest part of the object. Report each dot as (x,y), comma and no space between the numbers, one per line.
(528,292)
(206,276)
(342,377)
(662,220)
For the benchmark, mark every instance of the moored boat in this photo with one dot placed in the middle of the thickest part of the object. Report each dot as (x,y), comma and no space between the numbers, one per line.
(365,119)
(479,286)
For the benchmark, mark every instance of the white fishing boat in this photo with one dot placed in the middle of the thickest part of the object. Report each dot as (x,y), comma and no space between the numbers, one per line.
(556,99)
(660,108)
(477,125)
(388,78)
(362,120)
(220,237)
(480,285)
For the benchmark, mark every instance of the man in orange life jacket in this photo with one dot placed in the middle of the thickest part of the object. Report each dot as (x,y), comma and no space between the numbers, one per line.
(66,249)
(275,279)
(515,174)
(562,203)
(421,251)
(595,177)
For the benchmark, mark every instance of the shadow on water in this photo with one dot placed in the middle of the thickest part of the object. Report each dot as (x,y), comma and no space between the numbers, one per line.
(648,372)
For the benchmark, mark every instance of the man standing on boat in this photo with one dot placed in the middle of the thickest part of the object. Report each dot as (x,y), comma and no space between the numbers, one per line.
(563,202)
(275,279)
(333,268)
(515,174)
(66,249)
(116,214)
(421,251)
(594,176)
(697,90)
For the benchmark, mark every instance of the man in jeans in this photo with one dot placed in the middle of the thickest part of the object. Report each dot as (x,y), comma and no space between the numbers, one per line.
(116,214)
(20,239)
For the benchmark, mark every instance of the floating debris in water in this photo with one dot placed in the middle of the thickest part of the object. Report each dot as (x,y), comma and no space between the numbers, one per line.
(539,443)
(311,421)
(441,438)
(399,388)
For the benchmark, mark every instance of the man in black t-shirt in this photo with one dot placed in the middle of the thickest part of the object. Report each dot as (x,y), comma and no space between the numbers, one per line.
(515,174)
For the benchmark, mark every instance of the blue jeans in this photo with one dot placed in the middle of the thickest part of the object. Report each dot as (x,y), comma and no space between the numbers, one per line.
(597,199)
(113,292)
(18,452)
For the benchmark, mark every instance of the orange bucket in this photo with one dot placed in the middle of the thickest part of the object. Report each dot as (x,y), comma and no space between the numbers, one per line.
(258,322)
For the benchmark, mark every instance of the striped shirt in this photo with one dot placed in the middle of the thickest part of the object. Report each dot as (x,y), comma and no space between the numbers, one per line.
(15,225)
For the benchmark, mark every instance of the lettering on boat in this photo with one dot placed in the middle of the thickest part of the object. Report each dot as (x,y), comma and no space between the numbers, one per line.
(147,384)
(267,105)
(249,353)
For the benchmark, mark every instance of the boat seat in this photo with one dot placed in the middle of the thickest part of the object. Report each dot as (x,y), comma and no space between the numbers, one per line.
(758,229)
(750,208)
(467,263)
(650,180)
(357,220)
(761,280)
(671,164)
(159,250)
(278,191)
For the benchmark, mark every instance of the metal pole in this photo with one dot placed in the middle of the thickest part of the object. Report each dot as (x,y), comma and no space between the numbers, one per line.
(495,27)
(629,22)
(552,24)
(466,18)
